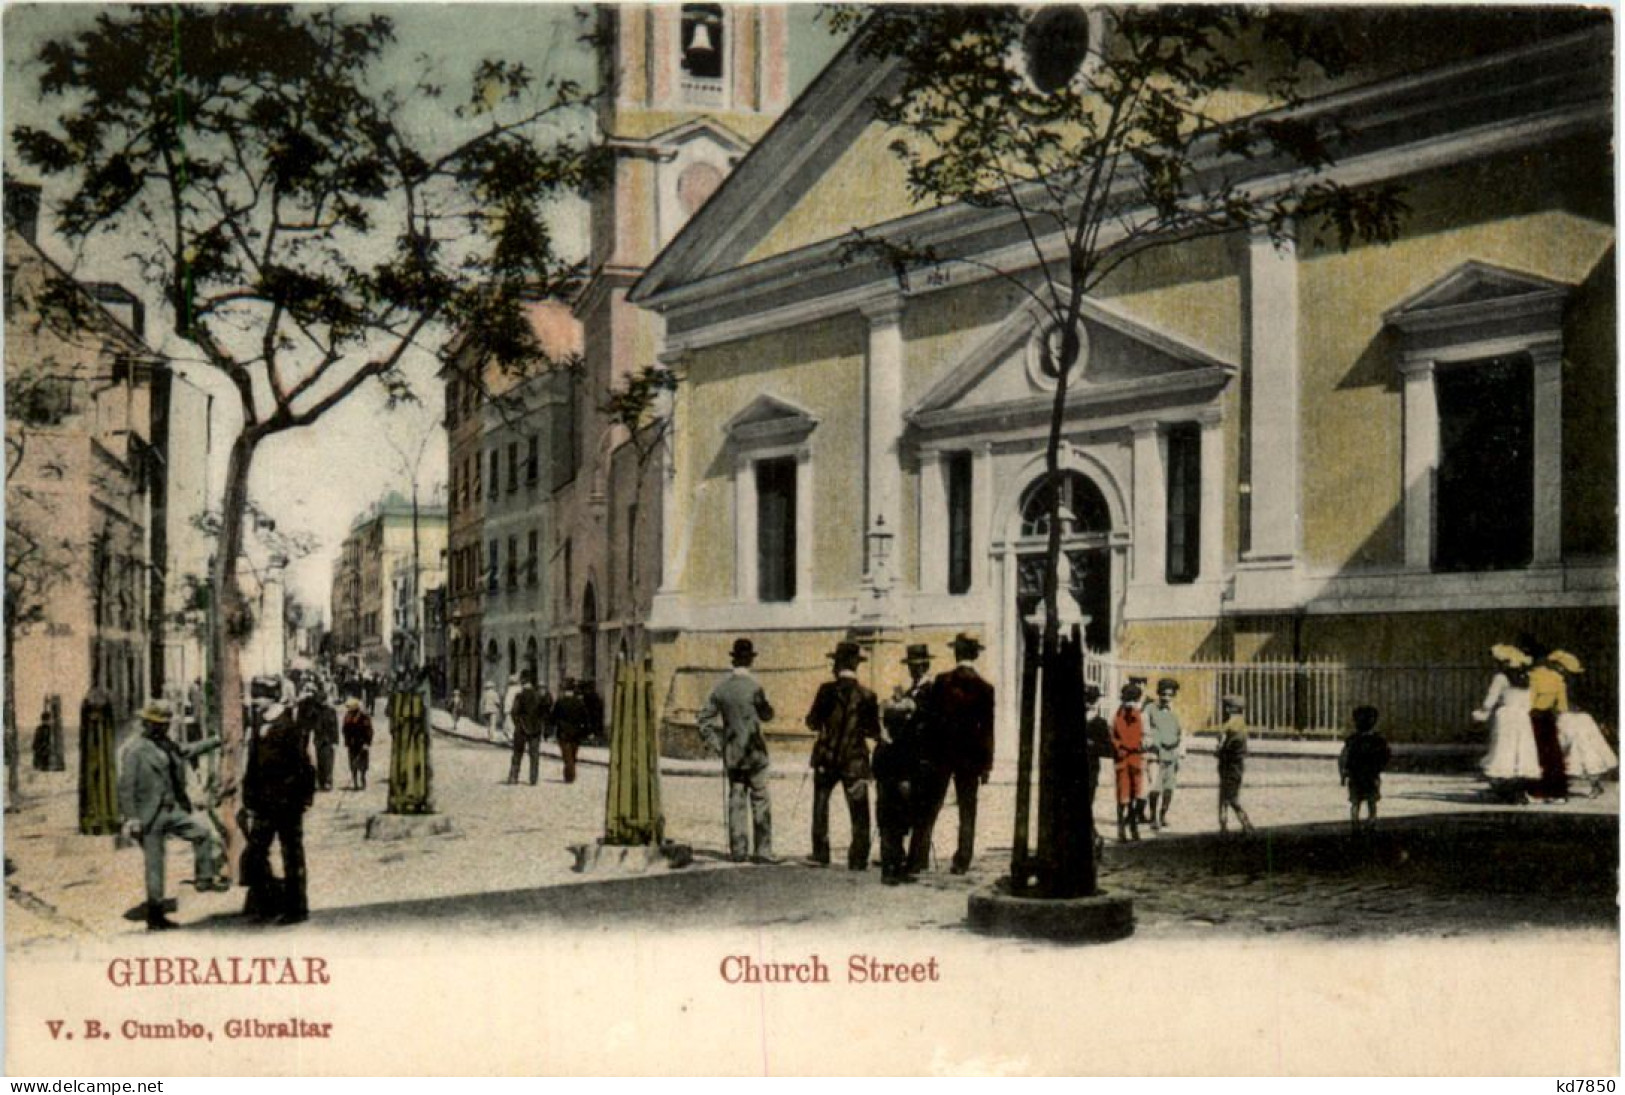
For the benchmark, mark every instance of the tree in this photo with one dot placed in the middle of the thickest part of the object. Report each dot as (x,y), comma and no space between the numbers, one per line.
(1103,135)
(309,224)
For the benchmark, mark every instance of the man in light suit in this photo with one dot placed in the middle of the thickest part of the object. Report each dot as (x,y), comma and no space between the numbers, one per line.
(152,798)
(731,722)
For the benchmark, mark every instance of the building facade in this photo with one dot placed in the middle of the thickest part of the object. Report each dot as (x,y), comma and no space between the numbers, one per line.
(1383,459)
(83,486)
(383,543)
(690,87)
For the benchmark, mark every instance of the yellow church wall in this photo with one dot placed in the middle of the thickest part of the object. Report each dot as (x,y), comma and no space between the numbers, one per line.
(818,367)
(1190,291)
(1352,407)
(636,124)
(865,186)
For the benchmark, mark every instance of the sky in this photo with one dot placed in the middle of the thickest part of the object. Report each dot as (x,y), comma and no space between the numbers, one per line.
(315,482)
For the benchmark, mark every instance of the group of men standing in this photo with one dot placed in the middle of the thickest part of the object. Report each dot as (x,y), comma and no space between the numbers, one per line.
(932,732)
(534,714)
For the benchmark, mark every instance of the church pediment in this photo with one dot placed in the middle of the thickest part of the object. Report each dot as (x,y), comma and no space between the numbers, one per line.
(1122,358)
(1477,291)
(769,420)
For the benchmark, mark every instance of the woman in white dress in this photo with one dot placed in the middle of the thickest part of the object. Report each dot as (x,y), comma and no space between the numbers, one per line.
(1510,763)
(1586,754)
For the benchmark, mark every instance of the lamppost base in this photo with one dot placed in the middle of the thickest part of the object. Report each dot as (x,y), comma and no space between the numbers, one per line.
(1101,918)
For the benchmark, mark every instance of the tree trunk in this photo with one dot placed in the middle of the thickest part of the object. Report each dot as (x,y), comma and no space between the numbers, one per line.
(13,737)
(227,640)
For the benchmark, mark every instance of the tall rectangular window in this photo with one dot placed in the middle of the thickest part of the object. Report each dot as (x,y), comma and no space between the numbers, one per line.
(1184,503)
(532,459)
(478,464)
(495,485)
(491,569)
(958,469)
(513,465)
(776,529)
(513,562)
(530,557)
(1485,497)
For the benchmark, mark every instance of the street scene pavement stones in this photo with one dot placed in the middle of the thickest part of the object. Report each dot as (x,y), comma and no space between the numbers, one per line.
(1442,861)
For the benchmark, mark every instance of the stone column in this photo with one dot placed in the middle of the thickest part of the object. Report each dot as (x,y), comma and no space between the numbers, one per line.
(745,529)
(883,417)
(1213,496)
(1272,317)
(1421,461)
(1150,505)
(1548,398)
(933,524)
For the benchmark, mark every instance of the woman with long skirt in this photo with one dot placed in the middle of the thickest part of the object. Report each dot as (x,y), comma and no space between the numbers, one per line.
(1511,763)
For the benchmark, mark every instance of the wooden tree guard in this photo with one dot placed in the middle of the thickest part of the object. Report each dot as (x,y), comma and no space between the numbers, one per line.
(632,815)
(410,774)
(1019,868)
(98,779)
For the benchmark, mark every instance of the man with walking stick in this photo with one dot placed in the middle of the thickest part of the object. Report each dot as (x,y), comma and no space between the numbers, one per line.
(731,723)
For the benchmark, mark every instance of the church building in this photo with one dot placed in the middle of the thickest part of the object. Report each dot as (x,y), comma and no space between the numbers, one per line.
(1319,477)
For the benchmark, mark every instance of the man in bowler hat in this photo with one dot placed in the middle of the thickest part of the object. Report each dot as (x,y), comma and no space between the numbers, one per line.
(897,765)
(958,747)
(844,715)
(731,723)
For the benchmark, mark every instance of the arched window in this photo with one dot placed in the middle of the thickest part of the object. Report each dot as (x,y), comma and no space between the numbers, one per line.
(1078,494)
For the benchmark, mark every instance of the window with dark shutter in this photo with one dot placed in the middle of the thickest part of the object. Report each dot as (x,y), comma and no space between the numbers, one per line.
(1485,499)
(959,522)
(776,529)
(1184,503)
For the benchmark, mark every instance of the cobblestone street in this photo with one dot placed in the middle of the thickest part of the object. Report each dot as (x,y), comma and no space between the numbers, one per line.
(1443,861)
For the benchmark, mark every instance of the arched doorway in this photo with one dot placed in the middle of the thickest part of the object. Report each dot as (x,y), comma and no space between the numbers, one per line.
(1085,543)
(589,634)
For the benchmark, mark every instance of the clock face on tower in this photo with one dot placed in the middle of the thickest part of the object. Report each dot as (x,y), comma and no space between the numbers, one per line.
(696,184)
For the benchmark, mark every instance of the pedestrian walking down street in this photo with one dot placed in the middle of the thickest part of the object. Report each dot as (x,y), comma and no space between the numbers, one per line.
(1586,753)
(491,711)
(958,747)
(897,765)
(278,787)
(572,719)
(844,715)
(529,717)
(1511,763)
(1165,743)
(357,742)
(1232,756)
(1361,763)
(1548,701)
(154,803)
(326,737)
(1128,758)
(731,723)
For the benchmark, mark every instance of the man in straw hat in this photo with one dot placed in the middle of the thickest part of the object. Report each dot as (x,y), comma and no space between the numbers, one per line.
(959,748)
(897,764)
(731,723)
(844,715)
(153,799)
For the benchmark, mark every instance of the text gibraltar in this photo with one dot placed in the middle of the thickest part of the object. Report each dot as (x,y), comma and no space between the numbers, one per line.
(128,973)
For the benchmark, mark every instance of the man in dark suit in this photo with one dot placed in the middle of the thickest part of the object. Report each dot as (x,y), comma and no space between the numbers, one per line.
(278,787)
(844,715)
(529,716)
(958,747)
(897,765)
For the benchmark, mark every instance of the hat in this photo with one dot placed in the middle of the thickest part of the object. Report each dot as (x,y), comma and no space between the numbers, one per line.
(743,652)
(1565,661)
(352,704)
(1508,654)
(1130,692)
(157,710)
(1090,694)
(847,651)
(1233,700)
(917,652)
(1167,684)
(967,639)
